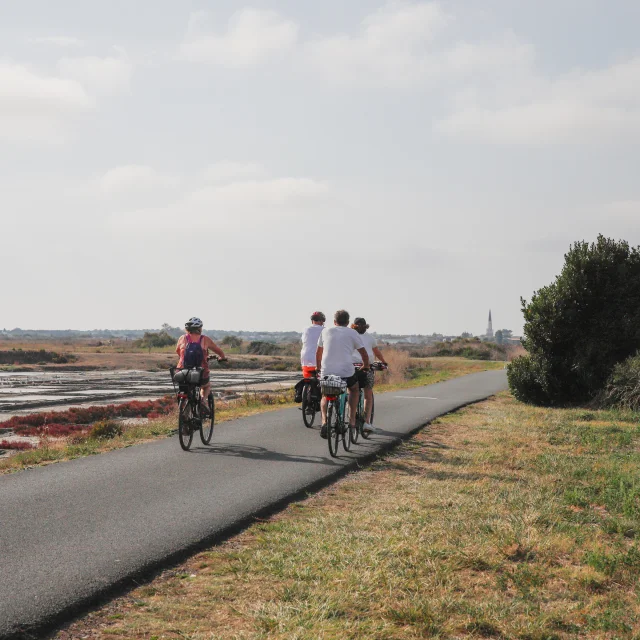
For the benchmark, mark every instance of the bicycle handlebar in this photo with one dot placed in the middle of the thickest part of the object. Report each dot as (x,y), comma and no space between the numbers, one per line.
(376,366)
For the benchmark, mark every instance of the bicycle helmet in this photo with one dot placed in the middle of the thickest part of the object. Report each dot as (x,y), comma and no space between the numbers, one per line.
(193,323)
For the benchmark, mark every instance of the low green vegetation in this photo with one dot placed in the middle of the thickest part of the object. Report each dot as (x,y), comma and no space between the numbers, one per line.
(39,356)
(500,521)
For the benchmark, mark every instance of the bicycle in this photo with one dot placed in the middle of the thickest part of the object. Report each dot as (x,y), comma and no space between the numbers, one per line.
(360,413)
(189,404)
(310,402)
(335,390)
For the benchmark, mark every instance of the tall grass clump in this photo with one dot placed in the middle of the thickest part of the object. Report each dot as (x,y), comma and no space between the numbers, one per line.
(398,362)
(623,387)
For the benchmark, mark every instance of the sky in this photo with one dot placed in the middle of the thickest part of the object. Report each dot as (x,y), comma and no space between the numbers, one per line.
(414,162)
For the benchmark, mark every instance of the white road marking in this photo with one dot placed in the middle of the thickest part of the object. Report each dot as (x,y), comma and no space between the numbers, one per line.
(416,397)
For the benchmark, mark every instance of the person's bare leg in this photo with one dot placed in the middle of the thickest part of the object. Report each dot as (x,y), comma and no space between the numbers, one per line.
(204,395)
(354,396)
(368,404)
(323,409)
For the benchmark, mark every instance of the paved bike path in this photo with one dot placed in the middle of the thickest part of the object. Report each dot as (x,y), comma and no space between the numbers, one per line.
(71,531)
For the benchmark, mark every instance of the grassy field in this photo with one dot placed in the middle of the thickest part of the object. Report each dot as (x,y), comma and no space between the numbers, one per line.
(499,521)
(56,450)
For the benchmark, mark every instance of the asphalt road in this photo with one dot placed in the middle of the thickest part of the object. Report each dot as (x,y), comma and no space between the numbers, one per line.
(73,531)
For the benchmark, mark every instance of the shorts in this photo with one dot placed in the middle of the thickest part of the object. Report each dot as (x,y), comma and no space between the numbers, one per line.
(309,372)
(351,380)
(366,379)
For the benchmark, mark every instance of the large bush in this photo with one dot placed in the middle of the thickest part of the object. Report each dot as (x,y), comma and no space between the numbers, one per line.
(580,326)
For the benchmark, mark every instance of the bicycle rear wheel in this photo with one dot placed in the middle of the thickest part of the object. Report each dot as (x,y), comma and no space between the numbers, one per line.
(206,426)
(308,407)
(373,406)
(333,428)
(185,417)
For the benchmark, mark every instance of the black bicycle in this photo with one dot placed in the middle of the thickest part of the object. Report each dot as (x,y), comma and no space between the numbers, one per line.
(360,413)
(190,420)
(310,400)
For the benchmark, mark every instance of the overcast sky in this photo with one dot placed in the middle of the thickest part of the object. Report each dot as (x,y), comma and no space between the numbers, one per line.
(416,163)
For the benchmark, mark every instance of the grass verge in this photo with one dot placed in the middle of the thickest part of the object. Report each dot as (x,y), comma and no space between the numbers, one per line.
(499,521)
(427,371)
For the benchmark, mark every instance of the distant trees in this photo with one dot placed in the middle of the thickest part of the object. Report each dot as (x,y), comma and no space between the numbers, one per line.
(580,326)
(502,335)
(151,340)
(233,342)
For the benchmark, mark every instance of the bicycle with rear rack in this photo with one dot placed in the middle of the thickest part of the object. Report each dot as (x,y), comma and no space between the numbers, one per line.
(335,390)
(186,384)
(360,413)
(310,399)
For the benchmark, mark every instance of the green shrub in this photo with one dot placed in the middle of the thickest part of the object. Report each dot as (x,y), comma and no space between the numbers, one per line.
(105,430)
(149,340)
(623,387)
(580,326)
(259,348)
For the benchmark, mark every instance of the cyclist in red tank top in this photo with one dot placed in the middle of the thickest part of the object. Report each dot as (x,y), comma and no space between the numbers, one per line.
(193,333)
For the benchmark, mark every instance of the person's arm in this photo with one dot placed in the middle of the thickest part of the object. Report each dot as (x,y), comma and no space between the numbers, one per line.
(365,358)
(319,352)
(212,346)
(378,354)
(178,344)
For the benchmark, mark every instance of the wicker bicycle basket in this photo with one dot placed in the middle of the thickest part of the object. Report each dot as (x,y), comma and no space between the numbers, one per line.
(332,386)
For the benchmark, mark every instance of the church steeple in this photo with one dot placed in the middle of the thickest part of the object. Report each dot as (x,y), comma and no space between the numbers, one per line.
(489,333)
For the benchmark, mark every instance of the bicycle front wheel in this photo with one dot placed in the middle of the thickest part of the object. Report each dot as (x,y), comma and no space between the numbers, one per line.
(206,426)
(355,433)
(333,428)
(346,419)
(308,407)
(185,417)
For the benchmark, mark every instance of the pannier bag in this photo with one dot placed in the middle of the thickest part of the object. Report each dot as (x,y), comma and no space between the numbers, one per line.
(188,376)
(299,388)
(332,385)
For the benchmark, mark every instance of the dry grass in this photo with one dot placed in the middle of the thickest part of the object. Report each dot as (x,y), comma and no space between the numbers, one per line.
(500,521)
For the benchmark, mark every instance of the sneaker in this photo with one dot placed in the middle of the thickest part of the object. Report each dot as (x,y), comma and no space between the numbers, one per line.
(369,428)
(323,431)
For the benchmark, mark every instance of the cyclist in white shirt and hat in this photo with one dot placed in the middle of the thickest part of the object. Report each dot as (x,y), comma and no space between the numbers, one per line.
(366,380)
(334,357)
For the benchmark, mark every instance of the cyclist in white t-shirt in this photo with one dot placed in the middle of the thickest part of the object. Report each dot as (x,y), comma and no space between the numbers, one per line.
(367,379)
(334,357)
(310,338)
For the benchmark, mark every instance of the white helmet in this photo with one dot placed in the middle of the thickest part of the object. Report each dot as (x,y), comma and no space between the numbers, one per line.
(193,323)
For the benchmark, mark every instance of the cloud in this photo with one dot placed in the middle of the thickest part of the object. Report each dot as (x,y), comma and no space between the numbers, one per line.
(252,36)
(390,48)
(133,176)
(577,107)
(237,206)
(58,41)
(228,171)
(105,76)
(409,44)
(35,107)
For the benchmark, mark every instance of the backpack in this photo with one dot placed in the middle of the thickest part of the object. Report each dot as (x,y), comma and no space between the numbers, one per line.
(193,354)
